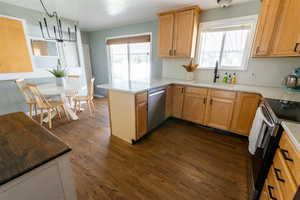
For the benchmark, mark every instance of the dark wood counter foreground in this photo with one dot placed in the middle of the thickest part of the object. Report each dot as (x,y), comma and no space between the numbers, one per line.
(24,145)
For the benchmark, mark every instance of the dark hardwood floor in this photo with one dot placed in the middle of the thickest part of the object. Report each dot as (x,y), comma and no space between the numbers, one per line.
(177,161)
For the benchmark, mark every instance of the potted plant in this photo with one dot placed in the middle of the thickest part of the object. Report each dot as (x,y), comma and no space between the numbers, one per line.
(59,72)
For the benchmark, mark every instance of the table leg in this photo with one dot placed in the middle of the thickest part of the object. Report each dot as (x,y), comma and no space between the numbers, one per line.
(67,107)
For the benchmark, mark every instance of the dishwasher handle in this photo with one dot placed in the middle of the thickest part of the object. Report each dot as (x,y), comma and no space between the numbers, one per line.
(156,93)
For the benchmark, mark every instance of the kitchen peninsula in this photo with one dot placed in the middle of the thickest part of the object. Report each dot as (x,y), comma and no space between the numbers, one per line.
(34,163)
(202,100)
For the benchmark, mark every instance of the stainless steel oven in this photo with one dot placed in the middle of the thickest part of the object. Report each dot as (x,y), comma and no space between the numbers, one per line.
(261,161)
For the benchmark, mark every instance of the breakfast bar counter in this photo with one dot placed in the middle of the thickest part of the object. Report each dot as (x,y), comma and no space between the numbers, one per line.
(33,162)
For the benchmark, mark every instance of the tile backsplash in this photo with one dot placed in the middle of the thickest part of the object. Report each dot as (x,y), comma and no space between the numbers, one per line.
(260,71)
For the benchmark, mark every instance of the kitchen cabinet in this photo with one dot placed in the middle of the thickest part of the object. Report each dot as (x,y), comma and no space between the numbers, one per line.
(244,112)
(166,28)
(194,104)
(265,27)
(220,109)
(286,41)
(178,31)
(169,97)
(283,178)
(177,100)
(278,30)
(141,114)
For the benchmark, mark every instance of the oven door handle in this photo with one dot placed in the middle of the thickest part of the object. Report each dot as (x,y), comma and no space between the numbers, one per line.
(265,118)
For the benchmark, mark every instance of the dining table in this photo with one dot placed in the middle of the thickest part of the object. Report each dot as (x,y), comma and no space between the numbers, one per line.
(68,86)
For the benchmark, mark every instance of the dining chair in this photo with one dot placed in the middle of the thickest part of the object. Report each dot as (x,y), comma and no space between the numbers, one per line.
(88,99)
(43,104)
(71,94)
(29,98)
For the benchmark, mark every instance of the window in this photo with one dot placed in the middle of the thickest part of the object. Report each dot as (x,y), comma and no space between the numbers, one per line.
(130,58)
(227,41)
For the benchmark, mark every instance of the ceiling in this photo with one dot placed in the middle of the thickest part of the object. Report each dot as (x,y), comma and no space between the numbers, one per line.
(99,14)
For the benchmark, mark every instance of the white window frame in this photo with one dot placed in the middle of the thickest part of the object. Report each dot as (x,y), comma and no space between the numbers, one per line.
(251,20)
(109,57)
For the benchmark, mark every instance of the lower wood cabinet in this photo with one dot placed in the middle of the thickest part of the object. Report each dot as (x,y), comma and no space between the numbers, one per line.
(194,104)
(177,100)
(244,112)
(282,181)
(220,109)
(169,100)
(141,109)
(224,109)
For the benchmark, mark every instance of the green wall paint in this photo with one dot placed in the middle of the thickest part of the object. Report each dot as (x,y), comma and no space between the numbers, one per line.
(98,49)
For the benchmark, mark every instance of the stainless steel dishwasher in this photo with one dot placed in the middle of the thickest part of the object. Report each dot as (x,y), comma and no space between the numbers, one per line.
(156,107)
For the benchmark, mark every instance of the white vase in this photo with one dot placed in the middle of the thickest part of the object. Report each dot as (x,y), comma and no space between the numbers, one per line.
(190,76)
(59,81)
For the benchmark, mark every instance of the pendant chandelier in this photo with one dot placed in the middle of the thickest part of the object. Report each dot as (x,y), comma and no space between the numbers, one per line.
(58,33)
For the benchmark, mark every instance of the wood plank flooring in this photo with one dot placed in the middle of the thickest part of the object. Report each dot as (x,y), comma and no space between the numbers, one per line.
(177,161)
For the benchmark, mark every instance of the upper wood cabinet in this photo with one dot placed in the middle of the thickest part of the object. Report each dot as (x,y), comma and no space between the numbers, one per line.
(178,31)
(219,109)
(141,109)
(265,27)
(244,112)
(166,29)
(278,30)
(194,104)
(286,41)
(177,100)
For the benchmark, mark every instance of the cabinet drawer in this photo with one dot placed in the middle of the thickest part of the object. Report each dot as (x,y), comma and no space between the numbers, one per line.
(224,94)
(140,97)
(291,157)
(196,90)
(272,185)
(284,177)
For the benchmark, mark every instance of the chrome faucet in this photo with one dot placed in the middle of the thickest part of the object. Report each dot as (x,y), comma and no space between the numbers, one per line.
(216,75)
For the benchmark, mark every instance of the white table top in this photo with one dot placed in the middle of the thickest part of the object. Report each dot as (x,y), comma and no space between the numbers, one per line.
(53,89)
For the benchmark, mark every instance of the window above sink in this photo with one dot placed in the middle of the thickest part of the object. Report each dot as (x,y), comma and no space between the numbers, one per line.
(226,41)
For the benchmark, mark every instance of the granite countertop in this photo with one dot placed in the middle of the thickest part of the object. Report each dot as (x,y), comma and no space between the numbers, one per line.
(266,92)
(293,131)
(25,146)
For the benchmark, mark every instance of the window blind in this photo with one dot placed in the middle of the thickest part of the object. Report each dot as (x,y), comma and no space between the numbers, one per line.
(126,40)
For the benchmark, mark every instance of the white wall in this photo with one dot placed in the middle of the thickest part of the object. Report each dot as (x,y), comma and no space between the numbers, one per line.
(260,71)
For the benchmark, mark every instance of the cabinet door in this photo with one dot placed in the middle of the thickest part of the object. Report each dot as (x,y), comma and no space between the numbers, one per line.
(219,113)
(194,108)
(169,101)
(185,33)
(177,101)
(265,27)
(244,112)
(286,41)
(141,118)
(165,36)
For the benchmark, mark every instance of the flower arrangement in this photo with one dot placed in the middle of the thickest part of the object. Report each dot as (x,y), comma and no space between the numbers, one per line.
(190,67)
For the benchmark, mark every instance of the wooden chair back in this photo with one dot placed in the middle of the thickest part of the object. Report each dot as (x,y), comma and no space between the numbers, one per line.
(91,88)
(41,101)
(22,85)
